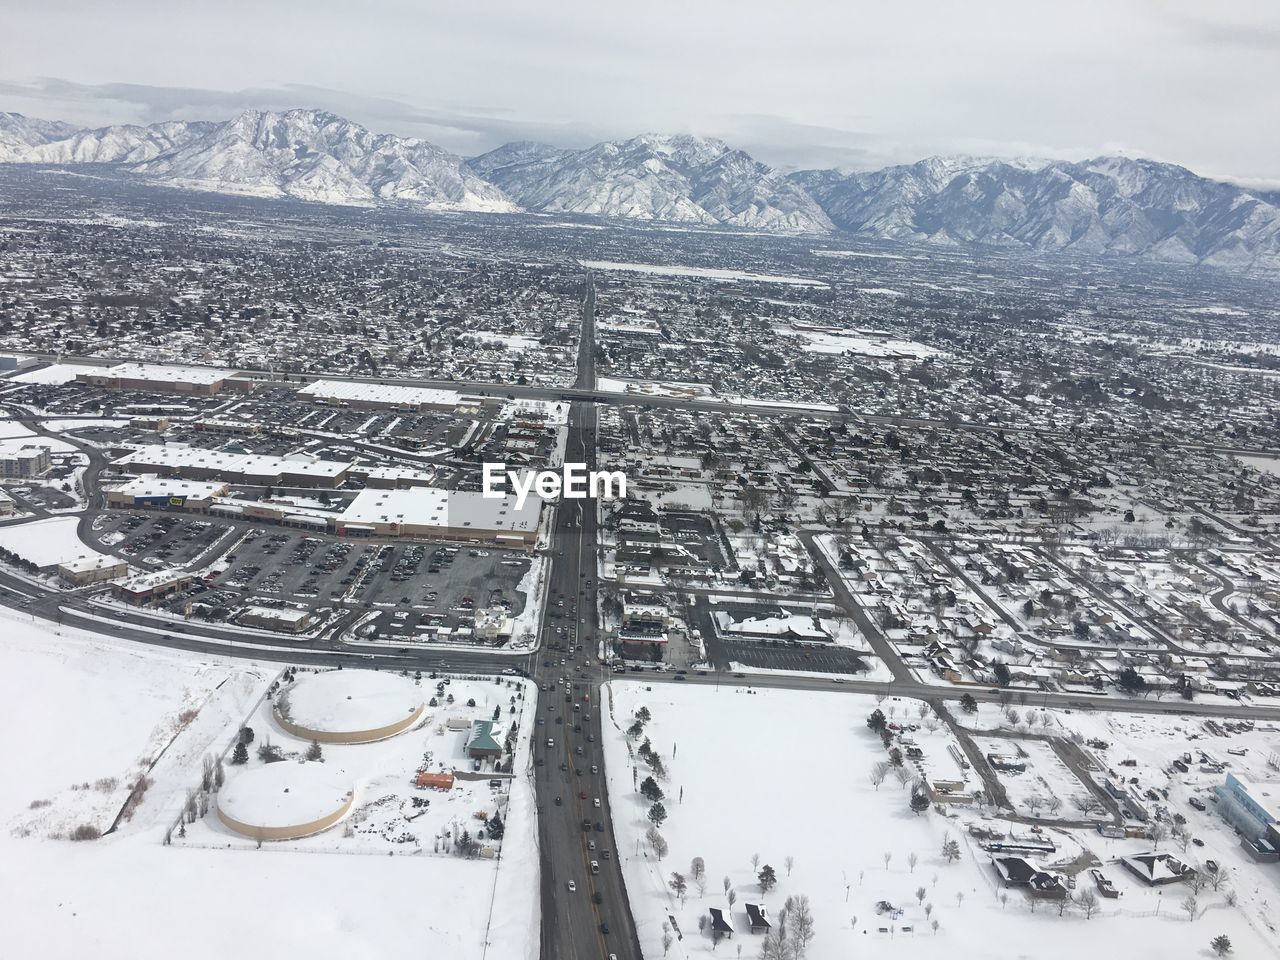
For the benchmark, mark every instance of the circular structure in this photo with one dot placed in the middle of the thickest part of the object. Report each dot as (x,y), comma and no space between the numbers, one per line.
(349,706)
(285,801)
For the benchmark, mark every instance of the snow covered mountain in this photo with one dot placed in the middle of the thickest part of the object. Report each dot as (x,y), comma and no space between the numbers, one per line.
(1106,206)
(681,179)
(122,144)
(1109,205)
(19,134)
(305,154)
(313,155)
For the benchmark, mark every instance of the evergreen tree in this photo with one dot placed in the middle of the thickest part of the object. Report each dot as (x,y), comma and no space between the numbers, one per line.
(657,814)
(968,704)
(496,827)
(768,879)
(650,790)
(919,802)
(314,752)
(240,755)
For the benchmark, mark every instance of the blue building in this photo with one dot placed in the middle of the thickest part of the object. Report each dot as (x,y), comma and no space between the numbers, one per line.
(1246,807)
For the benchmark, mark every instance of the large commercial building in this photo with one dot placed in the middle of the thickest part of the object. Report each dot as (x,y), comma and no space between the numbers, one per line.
(31,460)
(152,491)
(1248,807)
(448,514)
(197,463)
(380,396)
(163,378)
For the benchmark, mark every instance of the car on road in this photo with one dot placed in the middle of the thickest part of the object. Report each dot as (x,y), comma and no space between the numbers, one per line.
(586,826)
(582,794)
(604,928)
(572,886)
(595,866)
(680,676)
(599,827)
(598,897)
(596,803)
(595,769)
(551,741)
(559,802)
(591,844)
(605,855)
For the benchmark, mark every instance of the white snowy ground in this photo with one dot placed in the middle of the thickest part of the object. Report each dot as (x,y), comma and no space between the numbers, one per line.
(79,708)
(46,542)
(784,773)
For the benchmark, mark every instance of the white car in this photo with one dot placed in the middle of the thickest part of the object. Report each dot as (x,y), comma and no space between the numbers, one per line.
(597,802)
(572,886)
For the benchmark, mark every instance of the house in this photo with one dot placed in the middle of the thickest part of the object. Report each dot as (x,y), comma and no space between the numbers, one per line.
(758,917)
(1021,872)
(482,743)
(720,925)
(1157,869)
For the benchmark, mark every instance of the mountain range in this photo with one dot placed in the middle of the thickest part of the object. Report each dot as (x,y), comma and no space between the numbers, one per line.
(1108,206)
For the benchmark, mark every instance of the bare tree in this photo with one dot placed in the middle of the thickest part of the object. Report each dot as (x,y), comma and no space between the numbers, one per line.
(788,861)
(1087,901)
(912,859)
(1219,877)
(800,924)
(887,857)
(902,775)
(755,862)
(959,897)
(698,871)
(666,939)
(1158,831)
(879,771)
(920,894)
(1190,906)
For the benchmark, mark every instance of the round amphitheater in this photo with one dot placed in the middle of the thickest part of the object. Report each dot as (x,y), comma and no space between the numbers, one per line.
(349,706)
(285,801)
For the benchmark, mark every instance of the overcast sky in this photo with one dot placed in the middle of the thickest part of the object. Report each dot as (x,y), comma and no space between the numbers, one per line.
(800,83)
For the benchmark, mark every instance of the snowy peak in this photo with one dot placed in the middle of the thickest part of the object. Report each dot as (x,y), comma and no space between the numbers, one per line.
(314,155)
(1104,206)
(681,178)
(19,134)
(122,144)
(305,154)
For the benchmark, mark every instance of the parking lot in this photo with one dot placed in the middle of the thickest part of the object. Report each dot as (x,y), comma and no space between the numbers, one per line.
(778,655)
(697,534)
(417,590)
(157,540)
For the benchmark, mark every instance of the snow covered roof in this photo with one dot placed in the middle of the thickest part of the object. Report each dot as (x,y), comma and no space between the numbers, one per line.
(167,373)
(436,507)
(349,701)
(383,393)
(285,794)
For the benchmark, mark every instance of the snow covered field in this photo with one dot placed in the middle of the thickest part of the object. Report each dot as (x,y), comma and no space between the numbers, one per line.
(824,341)
(46,542)
(91,711)
(704,272)
(784,774)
